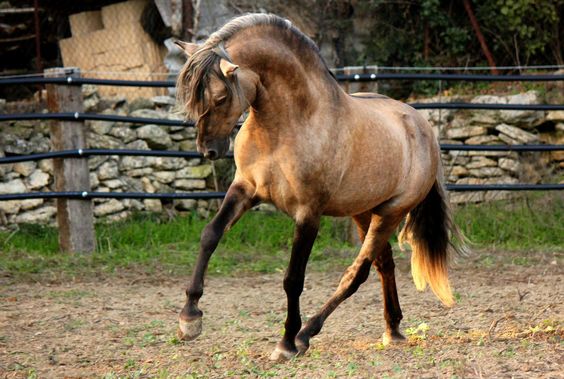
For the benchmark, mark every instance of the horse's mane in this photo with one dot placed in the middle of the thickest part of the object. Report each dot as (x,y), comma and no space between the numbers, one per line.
(194,76)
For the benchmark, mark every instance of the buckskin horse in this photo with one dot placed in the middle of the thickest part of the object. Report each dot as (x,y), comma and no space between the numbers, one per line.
(311,149)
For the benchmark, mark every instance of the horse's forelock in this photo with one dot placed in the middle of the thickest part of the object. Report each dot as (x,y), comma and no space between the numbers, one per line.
(194,79)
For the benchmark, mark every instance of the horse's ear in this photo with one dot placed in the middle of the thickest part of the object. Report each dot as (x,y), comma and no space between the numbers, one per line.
(227,68)
(188,48)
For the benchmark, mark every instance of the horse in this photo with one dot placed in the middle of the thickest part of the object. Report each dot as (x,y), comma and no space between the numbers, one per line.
(311,149)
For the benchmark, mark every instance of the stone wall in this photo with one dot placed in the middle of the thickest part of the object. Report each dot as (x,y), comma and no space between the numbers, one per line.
(155,174)
(496,127)
(107,173)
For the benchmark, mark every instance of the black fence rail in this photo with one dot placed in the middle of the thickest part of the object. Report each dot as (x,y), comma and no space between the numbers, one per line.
(82,153)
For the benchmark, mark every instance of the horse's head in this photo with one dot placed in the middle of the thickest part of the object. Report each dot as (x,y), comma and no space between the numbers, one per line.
(214,92)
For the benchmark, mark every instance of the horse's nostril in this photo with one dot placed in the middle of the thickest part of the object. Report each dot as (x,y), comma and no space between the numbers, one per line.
(211,154)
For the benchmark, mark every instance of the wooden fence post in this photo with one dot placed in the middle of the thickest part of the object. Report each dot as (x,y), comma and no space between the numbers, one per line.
(74,217)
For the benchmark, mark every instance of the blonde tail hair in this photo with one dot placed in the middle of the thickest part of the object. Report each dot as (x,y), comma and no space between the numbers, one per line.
(428,229)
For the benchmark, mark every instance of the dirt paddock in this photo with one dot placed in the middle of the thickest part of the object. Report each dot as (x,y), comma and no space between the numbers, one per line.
(507,323)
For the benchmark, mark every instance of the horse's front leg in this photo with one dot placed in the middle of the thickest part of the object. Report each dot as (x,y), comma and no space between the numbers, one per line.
(304,236)
(237,200)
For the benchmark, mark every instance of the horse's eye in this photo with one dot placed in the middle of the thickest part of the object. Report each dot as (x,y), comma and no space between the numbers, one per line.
(220,100)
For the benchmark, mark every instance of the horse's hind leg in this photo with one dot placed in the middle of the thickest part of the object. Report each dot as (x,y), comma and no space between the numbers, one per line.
(376,239)
(237,201)
(384,263)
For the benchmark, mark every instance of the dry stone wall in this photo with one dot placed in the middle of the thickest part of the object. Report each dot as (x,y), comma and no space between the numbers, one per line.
(107,173)
(497,127)
(155,174)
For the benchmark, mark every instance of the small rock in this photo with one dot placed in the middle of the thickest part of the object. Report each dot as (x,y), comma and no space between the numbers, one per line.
(148,113)
(480,161)
(108,170)
(465,132)
(185,204)
(24,168)
(46,165)
(113,183)
(466,197)
(30,203)
(483,140)
(123,133)
(555,116)
(509,164)
(140,103)
(155,136)
(39,215)
(38,179)
(517,134)
(14,186)
(10,206)
(163,100)
(109,207)
(194,172)
(189,184)
(457,171)
(164,176)
(101,127)
(486,172)
(153,205)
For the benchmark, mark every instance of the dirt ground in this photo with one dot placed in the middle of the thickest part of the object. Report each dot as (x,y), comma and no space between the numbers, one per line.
(507,323)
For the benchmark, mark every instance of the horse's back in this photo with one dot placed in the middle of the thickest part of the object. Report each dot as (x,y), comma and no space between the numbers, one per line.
(394,153)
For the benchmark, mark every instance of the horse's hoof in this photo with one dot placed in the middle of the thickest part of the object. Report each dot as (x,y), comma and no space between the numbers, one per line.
(189,330)
(392,338)
(302,345)
(281,355)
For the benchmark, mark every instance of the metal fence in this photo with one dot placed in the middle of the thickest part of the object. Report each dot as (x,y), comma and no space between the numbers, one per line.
(84,153)
(65,114)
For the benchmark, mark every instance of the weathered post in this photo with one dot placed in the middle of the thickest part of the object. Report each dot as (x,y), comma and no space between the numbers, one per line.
(74,217)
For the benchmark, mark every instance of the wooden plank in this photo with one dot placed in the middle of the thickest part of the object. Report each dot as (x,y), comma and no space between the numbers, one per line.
(74,217)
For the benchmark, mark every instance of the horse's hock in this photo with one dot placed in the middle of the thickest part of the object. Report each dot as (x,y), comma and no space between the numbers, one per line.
(155,174)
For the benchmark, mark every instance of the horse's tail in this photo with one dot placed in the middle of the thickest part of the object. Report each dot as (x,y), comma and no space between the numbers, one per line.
(428,229)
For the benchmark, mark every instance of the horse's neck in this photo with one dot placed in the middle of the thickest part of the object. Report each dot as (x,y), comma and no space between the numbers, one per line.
(293,86)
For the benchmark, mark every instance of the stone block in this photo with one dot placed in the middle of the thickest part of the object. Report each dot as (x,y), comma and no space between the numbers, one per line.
(113,183)
(465,132)
(108,170)
(483,140)
(109,207)
(509,164)
(486,172)
(164,176)
(38,179)
(39,215)
(189,184)
(153,205)
(123,133)
(185,204)
(556,116)
(481,161)
(467,197)
(195,172)
(24,168)
(517,134)
(155,136)
(14,186)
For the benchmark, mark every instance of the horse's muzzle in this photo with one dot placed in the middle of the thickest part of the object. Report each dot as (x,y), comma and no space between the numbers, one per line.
(215,149)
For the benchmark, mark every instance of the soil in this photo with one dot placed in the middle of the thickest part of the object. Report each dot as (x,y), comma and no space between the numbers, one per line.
(507,323)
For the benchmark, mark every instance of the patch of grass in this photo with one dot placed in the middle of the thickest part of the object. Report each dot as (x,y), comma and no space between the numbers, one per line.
(530,222)
(260,241)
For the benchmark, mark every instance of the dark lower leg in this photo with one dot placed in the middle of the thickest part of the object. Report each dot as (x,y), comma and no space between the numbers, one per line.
(304,236)
(235,204)
(354,276)
(384,263)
